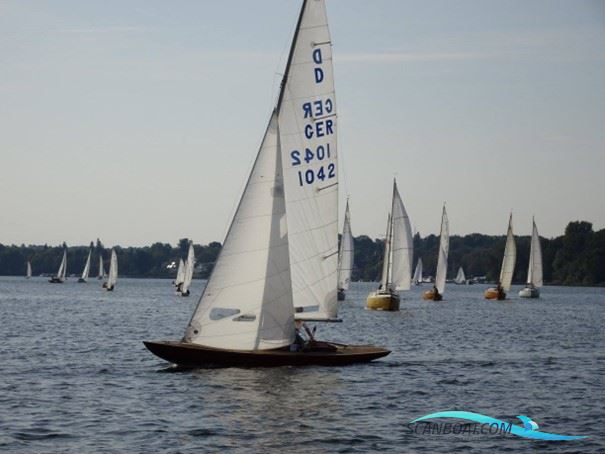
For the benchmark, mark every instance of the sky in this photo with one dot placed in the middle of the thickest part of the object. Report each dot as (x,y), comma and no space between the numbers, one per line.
(138,121)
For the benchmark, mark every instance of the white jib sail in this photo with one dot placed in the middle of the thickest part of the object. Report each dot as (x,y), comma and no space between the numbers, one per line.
(86,269)
(113,269)
(418,272)
(180,273)
(534,274)
(346,253)
(189,265)
(460,277)
(307,127)
(247,303)
(62,272)
(510,258)
(402,244)
(444,247)
(28,273)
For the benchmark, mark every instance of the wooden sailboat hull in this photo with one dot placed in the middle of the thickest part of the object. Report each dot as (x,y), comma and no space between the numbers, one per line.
(329,354)
(56,280)
(430,295)
(492,294)
(383,302)
(529,292)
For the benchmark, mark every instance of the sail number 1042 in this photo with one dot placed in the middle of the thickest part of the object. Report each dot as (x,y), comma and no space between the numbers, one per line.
(310,176)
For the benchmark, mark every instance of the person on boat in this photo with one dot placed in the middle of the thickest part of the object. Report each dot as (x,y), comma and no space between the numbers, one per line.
(299,340)
(436,295)
(500,290)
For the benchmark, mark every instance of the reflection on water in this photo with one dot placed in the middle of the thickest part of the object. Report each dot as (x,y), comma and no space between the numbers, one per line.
(76,376)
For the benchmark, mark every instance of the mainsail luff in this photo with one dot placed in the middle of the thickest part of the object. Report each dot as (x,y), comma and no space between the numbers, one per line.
(534,273)
(346,253)
(247,302)
(444,246)
(509,259)
(307,129)
(402,247)
(86,269)
(189,265)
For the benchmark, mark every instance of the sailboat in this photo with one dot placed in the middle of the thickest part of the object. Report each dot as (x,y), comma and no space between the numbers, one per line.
(345,256)
(460,277)
(508,266)
(180,275)
(183,289)
(59,278)
(28,271)
(534,273)
(436,293)
(417,279)
(101,267)
(86,269)
(397,262)
(112,277)
(279,257)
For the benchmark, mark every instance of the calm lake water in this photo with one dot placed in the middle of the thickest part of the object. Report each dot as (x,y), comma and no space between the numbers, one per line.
(77,378)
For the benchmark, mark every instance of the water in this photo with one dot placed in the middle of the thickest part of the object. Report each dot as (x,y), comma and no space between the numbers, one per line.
(75,376)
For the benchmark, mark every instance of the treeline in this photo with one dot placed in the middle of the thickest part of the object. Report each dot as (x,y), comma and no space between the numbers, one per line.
(575,258)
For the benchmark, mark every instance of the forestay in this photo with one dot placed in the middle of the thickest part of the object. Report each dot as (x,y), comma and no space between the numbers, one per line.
(307,129)
(346,253)
(402,248)
(247,302)
(444,247)
(510,258)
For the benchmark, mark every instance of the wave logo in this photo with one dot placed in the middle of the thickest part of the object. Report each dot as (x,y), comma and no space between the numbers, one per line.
(528,430)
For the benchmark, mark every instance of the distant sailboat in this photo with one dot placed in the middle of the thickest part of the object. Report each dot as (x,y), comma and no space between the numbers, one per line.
(59,278)
(86,269)
(280,254)
(183,290)
(180,275)
(112,277)
(508,266)
(534,273)
(397,261)
(417,279)
(345,256)
(460,277)
(436,293)
(28,271)
(101,267)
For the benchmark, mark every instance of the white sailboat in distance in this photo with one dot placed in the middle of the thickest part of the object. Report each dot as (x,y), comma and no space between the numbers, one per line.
(86,269)
(28,270)
(345,256)
(59,278)
(436,293)
(180,275)
(112,277)
(460,277)
(508,266)
(280,253)
(101,267)
(417,279)
(183,289)
(534,272)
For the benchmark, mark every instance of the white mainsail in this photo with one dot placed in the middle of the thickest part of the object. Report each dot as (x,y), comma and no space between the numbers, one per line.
(247,302)
(510,258)
(346,253)
(188,272)
(28,272)
(101,267)
(307,131)
(534,273)
(180,273)
(113,269)
(62,272)
(86,269)
(418,272)
(402,245)
(460,277)
(444,247)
